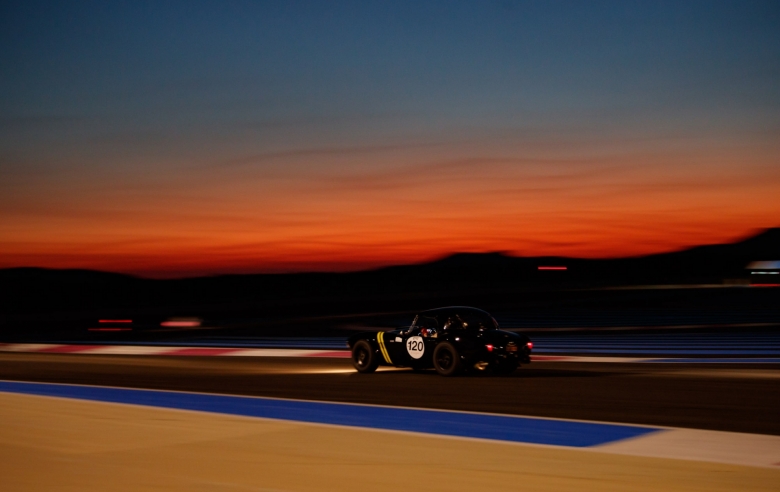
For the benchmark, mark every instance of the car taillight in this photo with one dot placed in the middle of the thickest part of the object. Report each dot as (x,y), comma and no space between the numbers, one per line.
(530,345)
(489,348)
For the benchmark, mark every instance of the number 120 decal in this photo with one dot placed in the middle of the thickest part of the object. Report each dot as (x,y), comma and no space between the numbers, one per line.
(415,347)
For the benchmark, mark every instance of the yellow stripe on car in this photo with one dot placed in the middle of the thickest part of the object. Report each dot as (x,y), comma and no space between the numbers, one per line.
(380,337)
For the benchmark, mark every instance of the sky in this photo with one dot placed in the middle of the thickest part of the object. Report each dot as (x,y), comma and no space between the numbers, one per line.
(184,138)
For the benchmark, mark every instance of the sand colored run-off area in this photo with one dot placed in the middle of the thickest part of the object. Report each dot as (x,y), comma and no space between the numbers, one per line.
(63,445)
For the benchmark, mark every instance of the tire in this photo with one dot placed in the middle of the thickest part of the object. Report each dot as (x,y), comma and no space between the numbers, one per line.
(446,359)
(364,358)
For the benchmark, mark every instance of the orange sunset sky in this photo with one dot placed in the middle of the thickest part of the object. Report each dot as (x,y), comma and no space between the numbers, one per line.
(166,141)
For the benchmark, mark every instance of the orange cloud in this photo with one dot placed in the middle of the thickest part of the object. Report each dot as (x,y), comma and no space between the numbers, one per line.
(332,209)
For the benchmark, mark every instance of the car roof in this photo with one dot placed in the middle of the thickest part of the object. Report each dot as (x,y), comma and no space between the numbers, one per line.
(451,309)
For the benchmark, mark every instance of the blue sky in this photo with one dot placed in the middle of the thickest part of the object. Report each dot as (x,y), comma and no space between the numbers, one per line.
(127,96)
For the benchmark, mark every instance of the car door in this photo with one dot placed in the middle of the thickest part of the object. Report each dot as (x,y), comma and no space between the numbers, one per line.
(402,347)
(391,345)
(415,347)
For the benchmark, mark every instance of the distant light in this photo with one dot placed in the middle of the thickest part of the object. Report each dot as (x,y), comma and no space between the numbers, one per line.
(489,348)
(766,285)
(530,345)
(180,324)
(765,273)
(115,321)
(764,265)
(552,268)
(109,329)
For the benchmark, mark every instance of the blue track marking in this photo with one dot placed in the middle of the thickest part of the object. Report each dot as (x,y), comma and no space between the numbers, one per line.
(682,345)
(716,360)
(528,430)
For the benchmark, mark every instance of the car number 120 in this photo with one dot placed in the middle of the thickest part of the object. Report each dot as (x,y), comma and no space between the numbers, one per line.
(415,347)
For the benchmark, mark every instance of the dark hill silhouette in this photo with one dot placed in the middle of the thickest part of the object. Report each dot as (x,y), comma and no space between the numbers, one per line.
(35,296)
(708,263)
(38,287)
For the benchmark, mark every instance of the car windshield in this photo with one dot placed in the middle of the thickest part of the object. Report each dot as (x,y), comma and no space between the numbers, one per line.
(469,319)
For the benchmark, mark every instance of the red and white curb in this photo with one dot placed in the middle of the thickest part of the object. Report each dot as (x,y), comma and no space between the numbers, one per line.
(47,348)
(50,348)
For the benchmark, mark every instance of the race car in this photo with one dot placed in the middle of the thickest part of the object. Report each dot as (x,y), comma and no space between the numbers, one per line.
(450,339)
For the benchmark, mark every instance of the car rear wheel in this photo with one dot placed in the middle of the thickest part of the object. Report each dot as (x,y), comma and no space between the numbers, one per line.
(446,359)
(363,357)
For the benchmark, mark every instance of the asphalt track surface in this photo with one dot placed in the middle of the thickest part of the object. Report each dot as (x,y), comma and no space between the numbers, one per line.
(739,398)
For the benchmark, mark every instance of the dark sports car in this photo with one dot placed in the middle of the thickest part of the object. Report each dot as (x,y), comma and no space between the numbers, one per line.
(450,340)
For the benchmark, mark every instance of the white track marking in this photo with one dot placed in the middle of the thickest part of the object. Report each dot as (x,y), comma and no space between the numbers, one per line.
(266,352)
(126,350)
(702,445)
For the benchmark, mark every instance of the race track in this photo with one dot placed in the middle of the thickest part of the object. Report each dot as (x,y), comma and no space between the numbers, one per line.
(727,397)
(224,423)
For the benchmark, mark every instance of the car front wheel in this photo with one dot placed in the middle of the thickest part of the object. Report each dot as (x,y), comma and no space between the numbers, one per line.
(363,357)
(446,359)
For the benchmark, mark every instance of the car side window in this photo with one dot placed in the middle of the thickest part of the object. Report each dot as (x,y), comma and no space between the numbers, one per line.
(428,327)
(427,322)
(424,324)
